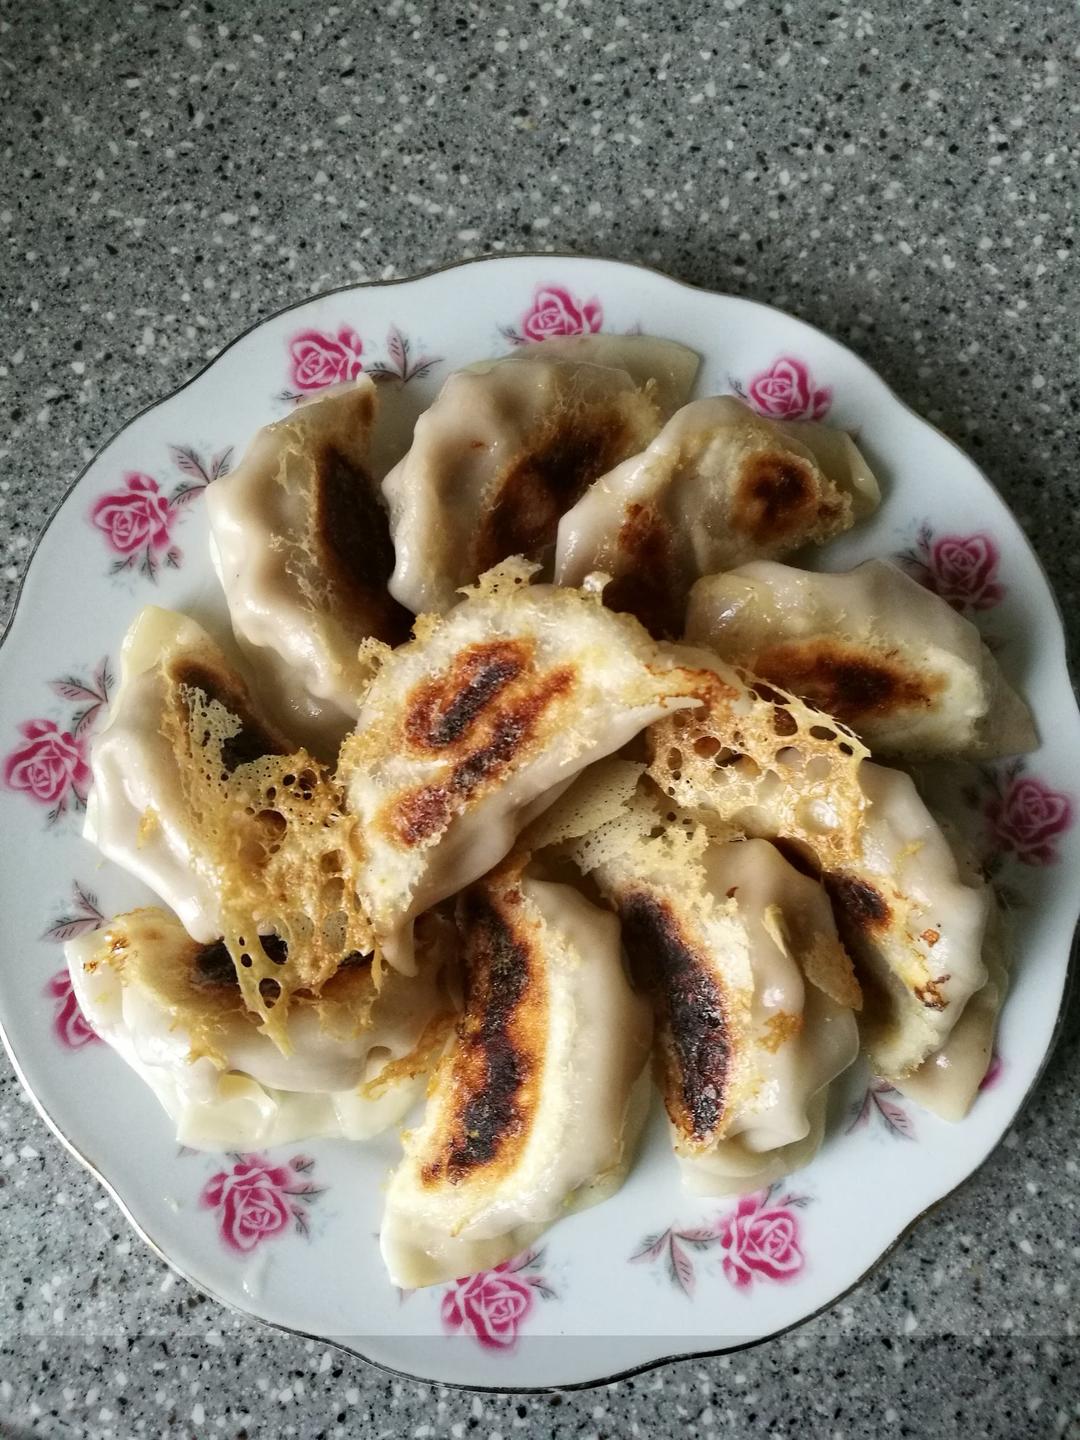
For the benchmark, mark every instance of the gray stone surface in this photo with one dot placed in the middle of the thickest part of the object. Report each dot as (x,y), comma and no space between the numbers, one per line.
(903,175)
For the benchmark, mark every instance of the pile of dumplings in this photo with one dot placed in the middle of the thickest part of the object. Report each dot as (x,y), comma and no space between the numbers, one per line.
(527,762)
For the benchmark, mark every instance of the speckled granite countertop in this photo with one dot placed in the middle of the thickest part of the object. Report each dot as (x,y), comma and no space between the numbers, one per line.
(902,175)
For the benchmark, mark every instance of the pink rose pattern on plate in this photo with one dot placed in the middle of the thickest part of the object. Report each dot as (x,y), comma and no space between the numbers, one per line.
(1023,821)
(994,1072)
(786,391)
(137,519)
(759,1239)
(70,1025)
(492,1305)
(318,359)
(134,518)
(1025,818)
(555,311)
(257,1199)
(49,765)
(882,1102)
(962,569)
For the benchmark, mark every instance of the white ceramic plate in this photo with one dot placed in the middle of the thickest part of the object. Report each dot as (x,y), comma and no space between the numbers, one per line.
(291,1236)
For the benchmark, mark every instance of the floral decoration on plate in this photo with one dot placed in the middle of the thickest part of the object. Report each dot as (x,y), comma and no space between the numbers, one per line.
(1025,817)
(137,518)
(400,363)
(759,1239)
(70,1025)
(493,1305)
(49,765)
(257,1199)
(555,311)
(882,1101)
(786,391)
(319,358)
(1018,824)
(84,916)
(994,1072)
(962,569)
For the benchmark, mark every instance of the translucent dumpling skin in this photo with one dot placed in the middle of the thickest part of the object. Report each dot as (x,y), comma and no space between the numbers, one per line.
(758,760)
(509,445)
(870,646)
(753,992)
(718,486)
(532,1111)
(138,814)
(301,542)
(477,725)
(172,1009)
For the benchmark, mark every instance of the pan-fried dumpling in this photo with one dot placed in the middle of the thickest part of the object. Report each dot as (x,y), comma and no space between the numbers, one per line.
(510,444)
(241,834)
(718,486)
(915,928)
(871,646)
(948,1080)
(172,1008)
(478,724)
(670,368)
(533,1110)
(301,542)
(753,991)
(758,759)
(137,814)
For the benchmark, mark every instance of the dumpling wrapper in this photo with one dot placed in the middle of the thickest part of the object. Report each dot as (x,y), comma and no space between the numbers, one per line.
(241,834)
(753,991)
(534,1110)
(759,760)
(478,724)
(137,814)
(670,368)
(172,1010)
(871,646)
(948,1081)
(301,542)
(718,486)
(508,445)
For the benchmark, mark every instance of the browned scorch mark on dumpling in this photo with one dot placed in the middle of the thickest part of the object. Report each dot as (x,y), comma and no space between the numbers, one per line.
(696,1046)
(440,712)
(254,739)
(859,906)
(862,913)
(500,739)
(647,586)
(497,1060)
(212,967)
(777,498)
(353,548)
(854,683)
(556,467)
